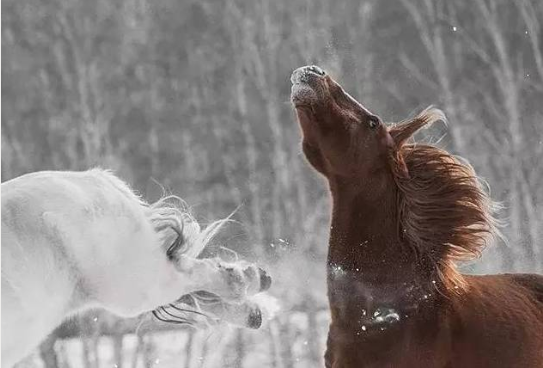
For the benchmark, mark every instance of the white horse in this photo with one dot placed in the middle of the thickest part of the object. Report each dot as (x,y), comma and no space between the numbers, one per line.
(78,240)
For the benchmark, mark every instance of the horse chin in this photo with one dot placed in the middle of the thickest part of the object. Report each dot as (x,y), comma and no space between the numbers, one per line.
(305,115)
(307,124)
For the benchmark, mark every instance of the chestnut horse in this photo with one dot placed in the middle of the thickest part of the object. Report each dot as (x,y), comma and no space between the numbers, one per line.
(402,215)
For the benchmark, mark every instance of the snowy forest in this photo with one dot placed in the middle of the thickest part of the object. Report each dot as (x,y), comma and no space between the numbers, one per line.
(192,97)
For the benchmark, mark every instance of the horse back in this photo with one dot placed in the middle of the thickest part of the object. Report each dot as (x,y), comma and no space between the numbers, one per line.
(531,283)
(498,322)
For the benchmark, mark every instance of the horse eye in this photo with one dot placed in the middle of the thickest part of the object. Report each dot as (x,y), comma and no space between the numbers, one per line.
(373,122)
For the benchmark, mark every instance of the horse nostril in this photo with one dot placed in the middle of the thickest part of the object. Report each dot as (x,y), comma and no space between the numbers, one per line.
(265,280)
(306,74)
(315,69)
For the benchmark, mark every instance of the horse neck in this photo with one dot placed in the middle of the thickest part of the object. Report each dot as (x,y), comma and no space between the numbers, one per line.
(368,258)
(364,230)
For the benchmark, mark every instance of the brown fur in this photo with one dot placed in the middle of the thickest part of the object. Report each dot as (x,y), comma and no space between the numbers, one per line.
(403,214)
(444,213)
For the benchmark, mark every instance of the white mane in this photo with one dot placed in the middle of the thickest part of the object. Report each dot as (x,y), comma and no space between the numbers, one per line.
(76,240)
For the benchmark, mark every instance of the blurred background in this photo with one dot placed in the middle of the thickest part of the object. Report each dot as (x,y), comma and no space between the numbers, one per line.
(194,95)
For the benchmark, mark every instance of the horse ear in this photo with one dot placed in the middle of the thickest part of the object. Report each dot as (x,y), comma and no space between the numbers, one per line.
(403,131)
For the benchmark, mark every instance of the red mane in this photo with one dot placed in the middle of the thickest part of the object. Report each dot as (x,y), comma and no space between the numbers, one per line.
(444,212)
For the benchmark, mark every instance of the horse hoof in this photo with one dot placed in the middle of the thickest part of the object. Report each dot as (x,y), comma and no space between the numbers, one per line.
(254,320)
(265,280)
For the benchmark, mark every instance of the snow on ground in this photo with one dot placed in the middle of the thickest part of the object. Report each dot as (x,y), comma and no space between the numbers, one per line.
(286,340)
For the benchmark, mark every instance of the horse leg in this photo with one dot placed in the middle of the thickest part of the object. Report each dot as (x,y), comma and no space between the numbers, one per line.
(232,282)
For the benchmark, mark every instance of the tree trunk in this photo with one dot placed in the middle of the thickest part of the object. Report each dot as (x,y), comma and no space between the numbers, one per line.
(188,349)
(312,342)
(137,351)
(87,363)
(275,359)
(48,353)
(239,349)
(286,344)
(118,350)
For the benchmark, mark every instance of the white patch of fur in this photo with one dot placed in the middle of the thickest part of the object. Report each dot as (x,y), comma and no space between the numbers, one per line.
(77,240)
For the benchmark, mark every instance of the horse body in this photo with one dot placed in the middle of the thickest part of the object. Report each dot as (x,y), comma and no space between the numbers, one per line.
(498,322)
(402,215)
(77,240)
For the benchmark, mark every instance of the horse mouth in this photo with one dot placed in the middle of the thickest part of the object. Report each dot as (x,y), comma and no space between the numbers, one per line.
(306,81)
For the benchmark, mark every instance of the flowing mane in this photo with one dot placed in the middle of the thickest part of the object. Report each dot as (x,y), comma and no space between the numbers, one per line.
(403,214)
(444,212)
